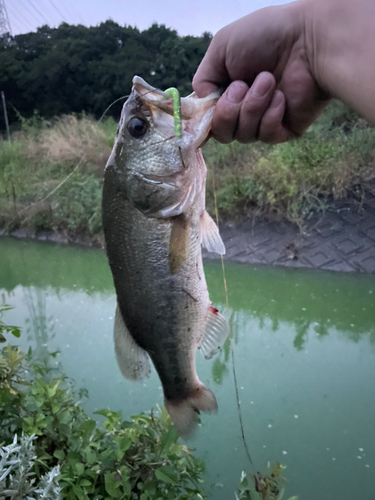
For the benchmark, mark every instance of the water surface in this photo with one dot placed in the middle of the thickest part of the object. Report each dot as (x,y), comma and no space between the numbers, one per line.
(304,354)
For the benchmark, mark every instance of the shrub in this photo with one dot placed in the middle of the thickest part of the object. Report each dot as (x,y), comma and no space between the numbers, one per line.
(17,479)
(63,453)
(263,487)
(334,159)
(140,458)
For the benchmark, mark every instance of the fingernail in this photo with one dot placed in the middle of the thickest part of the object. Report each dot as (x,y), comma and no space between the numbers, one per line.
(276,99)
(261,85)
(236,92)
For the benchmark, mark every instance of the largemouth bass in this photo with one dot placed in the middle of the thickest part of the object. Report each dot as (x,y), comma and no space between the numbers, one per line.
(155,222)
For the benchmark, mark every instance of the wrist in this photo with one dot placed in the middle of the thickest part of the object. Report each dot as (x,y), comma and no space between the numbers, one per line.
(339,40)
(314,15)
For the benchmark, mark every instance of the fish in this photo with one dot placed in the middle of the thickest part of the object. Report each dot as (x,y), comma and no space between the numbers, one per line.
(155,224)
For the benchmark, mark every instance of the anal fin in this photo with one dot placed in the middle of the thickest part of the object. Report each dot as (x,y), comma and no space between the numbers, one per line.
(132,360)
(216,333)
(211,239)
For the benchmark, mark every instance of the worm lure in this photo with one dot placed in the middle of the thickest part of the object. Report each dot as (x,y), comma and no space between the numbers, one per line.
(176,111)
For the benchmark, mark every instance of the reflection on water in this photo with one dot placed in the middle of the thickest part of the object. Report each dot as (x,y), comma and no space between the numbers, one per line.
(304,353)
(40,328)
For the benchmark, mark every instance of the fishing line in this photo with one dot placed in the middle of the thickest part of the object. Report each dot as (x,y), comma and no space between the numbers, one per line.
(53,191)
(239,409)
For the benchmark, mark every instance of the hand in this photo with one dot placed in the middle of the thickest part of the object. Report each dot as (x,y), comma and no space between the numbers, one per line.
(272,94)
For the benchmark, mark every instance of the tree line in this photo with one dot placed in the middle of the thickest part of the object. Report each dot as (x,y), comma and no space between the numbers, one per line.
(74,69)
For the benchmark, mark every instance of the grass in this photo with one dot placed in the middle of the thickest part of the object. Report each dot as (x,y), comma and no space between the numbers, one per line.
(334,159)
(38,159)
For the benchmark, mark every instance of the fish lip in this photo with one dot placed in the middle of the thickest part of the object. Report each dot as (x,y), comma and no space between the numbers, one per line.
(153,97)
(140,82)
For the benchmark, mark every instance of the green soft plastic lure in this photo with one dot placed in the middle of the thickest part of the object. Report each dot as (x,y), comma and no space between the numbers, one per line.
(176,111)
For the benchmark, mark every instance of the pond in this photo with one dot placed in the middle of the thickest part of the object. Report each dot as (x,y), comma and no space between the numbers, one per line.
(304,356)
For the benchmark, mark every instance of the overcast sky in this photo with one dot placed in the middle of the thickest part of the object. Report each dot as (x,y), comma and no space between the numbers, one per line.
(191,17)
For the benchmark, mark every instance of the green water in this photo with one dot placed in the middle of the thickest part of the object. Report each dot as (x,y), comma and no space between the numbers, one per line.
(304,353)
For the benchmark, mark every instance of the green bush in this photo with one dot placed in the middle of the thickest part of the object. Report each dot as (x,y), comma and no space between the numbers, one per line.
(136,459)
(11,164)
(63,453)
(75,207)
(17,479)
(41,187)
(263,487)
(109,127)
(332,160)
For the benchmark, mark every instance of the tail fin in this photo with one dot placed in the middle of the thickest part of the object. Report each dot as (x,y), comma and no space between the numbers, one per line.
(185,414)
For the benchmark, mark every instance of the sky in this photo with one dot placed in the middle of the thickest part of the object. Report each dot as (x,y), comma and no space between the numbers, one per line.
(191,17)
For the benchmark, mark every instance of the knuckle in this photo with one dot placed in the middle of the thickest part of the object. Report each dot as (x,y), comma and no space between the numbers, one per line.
(226,112)
(254,105)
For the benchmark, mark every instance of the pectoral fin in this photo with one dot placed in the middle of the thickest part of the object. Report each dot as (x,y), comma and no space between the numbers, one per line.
(179,243)
(211,239)
(216,333)
(132,360)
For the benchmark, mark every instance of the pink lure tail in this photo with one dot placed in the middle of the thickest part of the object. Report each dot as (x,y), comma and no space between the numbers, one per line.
(185,414)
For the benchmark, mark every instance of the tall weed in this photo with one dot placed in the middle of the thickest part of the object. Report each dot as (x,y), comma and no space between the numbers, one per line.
(297,177)
(334,159)
(40,157)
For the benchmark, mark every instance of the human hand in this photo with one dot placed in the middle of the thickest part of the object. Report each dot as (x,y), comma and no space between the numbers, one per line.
(263,59)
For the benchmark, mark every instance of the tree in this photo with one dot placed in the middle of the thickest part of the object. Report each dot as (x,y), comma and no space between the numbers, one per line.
(74,69)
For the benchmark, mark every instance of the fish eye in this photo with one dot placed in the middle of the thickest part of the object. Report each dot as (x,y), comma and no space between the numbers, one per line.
(137,127)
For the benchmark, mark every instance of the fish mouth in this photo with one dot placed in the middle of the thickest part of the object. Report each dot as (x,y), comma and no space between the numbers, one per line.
(196,113)
(190,105)
(157,98)
(143,89)
(152,97)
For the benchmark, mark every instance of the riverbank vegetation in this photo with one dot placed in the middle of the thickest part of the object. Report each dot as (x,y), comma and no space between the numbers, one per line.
(139,458)
(51,173)
(51,449)
(335,159)
(59,81)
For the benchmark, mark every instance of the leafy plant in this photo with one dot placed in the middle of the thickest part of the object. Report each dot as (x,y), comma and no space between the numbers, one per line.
(17,479)
(263,487)
(14,330)
(334,159)
(140,458)
(63,453)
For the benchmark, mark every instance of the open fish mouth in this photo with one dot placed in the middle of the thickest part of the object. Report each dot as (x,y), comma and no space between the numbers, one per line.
(196,114)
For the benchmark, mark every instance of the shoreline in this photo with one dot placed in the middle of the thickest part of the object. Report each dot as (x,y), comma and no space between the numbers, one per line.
(342,239)
(52,236)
